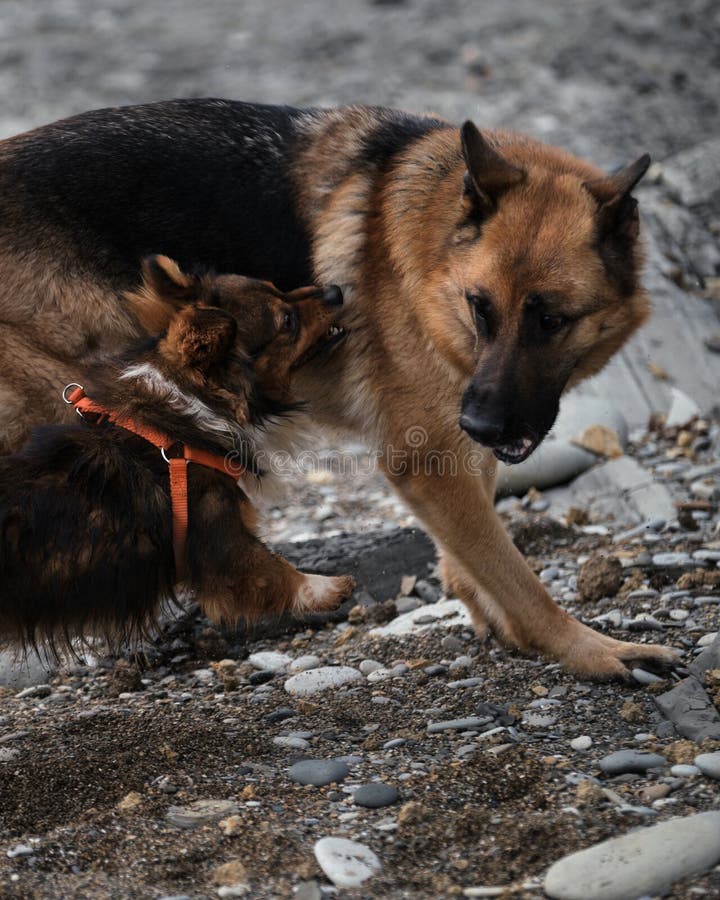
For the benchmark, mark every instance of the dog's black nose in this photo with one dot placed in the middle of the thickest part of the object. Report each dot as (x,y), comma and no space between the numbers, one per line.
(332,295)
(483,430)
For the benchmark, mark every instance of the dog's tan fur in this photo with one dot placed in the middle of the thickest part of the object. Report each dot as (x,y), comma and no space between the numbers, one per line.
(403,239)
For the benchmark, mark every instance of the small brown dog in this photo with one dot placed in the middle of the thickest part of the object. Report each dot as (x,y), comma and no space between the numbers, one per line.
(85,509)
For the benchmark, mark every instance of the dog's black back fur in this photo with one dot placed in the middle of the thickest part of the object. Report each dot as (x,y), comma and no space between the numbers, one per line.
(203,181)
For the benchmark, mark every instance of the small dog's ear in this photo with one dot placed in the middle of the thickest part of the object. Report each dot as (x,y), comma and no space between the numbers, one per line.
(202,336)
(489,175)
(163,277)
(165,288)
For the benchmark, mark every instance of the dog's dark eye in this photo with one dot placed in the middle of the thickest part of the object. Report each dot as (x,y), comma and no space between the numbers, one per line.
(480,307)
(290,321)
(551,324)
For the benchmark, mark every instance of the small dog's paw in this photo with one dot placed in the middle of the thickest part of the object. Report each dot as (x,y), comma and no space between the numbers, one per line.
(319,593)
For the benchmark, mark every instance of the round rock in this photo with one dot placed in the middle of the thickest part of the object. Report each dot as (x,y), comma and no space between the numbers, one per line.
(709,764)
(304,663)
(584,742)
(270,659)
(346,863)
(375,795)
(318,772)
(305,684)
(624,761)
(645,861)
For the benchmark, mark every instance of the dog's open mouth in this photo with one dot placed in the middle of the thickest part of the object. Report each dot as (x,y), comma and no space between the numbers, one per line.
(515,452)
(332,337)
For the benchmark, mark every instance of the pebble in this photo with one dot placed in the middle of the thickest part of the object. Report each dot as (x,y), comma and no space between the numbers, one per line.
(642,862)
(370,665)
(262,676)
(20,850)
(435,669)
(201,812)
(314,681)
(709,764)
(684,771)
(623,761)
(678,615)
(644,677)
(270,659)
(468,724)
(346,863)
(550,574)
(584,742)
(452,644)
(395,742)
(460,662)
(279,715)
(35,690)
(707,639)
(303,663)
(318,772)
(291,743)
(707,555)
(671,559)
(465,682)
(375,795)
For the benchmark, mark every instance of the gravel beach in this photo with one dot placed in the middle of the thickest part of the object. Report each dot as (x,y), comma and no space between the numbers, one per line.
(386,751)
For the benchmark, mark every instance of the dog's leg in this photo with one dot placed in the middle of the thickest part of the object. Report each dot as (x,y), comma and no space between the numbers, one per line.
(458,510)
(265,584)
(458,584)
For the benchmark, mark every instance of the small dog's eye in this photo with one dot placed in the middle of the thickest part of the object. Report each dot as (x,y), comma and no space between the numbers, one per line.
(289,321)
(551,324)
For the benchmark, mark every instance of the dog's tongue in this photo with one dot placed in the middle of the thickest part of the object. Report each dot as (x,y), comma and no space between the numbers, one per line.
(516,452)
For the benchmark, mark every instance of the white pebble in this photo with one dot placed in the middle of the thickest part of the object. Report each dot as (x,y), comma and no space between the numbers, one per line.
(270,660)
(584,742)
(346,863)
(305,684)
(303,663)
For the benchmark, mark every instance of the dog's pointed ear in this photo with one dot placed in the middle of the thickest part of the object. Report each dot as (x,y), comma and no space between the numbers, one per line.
(489,175)
(165,288)
(201,336)
(617,209)
(163,277)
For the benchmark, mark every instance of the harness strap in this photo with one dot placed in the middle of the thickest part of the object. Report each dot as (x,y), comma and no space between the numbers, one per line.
(177,465)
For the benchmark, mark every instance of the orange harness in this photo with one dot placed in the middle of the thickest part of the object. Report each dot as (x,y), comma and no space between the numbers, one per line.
(177,464)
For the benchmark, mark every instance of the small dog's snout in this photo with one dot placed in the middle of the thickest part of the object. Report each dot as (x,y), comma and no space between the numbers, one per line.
(332,296)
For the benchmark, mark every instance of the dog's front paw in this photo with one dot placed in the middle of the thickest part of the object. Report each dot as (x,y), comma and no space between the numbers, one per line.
(600,657)
(320,593)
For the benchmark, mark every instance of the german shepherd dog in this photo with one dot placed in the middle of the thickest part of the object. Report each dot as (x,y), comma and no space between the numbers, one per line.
(85,508)
(484,274)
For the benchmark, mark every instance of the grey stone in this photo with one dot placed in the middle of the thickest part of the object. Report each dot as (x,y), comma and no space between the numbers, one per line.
(290,742)
(583,742)
(318,772)
(642,862)
(709,764)
(643,677)
(270,660)
(468,724)
(690,710)
(375,795)
(623,761)
(671,559)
